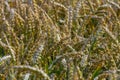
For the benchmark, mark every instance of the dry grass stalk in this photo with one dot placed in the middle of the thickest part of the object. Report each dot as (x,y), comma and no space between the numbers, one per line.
(10,48)
(5,58)
(34,70)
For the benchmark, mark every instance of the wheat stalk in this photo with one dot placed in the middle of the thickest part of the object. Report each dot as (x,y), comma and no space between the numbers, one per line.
(34,70)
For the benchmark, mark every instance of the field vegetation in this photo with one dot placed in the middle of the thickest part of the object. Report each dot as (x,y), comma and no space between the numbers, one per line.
(60,40)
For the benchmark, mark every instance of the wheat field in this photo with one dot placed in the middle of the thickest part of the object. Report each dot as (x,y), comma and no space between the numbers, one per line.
(59,39)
